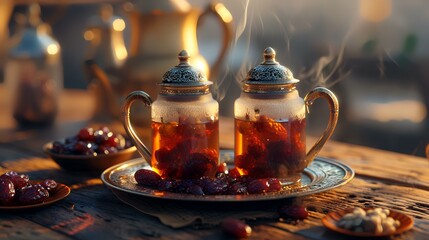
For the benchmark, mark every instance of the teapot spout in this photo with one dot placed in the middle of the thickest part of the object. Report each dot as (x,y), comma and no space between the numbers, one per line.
(106,106)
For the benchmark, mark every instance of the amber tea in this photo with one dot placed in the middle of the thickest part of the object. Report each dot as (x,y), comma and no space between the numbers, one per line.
(185,150)
(268,148)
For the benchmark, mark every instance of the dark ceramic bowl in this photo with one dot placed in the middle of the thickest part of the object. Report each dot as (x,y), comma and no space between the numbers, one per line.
(89,163)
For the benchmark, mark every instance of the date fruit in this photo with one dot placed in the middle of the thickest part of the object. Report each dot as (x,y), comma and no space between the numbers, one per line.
(293,212)
(16,189)
(91,142)
(147,178)
(7,192)
(33,194)
(231,183)
(236,228)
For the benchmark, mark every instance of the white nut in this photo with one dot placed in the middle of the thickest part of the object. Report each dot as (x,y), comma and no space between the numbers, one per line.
(371,212)
(390,221)
(348,216)
(359,211)
(376,220)
(388,228)
(378,229)
(386,211)
(382,215)
(397,223)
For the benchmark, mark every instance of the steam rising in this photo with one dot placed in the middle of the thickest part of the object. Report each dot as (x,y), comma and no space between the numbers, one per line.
(327,70)
(250,36)
(241,26)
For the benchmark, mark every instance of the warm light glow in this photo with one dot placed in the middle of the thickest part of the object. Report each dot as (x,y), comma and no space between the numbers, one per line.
(190,43)
(88,35)
(405,110)
(119,48)
(118,25)
(199,62)
(201,65)
(121,53)
(75,225)
(375,10)
(223,12)
(52,49)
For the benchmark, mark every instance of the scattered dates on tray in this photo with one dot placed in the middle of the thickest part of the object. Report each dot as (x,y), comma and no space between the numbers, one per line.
(16,189)
(225,182)
(91,142)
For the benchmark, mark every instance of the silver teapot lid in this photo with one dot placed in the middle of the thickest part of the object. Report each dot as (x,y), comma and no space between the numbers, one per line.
(270,71)
(184,78)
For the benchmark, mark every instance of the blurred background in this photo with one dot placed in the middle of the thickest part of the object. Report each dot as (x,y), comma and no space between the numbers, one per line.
(372,54)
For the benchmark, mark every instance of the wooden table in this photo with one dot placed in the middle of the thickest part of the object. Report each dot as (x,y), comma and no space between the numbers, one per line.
(91,211)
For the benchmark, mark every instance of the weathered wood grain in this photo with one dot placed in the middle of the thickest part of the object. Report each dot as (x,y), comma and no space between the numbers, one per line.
(378,164)
(15,227)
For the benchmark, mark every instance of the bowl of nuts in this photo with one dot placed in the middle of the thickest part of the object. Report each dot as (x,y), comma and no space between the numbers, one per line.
(369,222)
(90,150)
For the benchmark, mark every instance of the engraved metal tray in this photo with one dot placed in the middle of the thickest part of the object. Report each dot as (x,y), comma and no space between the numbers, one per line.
(321,175)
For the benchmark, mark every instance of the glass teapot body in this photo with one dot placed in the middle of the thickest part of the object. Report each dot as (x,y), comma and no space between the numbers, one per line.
(184,124)
(185,136)
(270,135)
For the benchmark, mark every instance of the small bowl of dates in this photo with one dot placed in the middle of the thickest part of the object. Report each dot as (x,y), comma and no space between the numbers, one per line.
(91,149)
(17,191)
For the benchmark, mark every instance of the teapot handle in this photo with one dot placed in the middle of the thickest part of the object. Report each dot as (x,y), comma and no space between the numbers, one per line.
(333,117)
(129,100)
(225,19)
(94,72)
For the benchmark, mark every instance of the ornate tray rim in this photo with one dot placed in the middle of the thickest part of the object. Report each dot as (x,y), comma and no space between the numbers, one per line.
(309,189)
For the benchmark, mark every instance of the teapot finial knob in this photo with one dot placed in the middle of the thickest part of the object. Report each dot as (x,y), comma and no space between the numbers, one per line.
(269,56)
(187,79)
(268,74)
(184,58)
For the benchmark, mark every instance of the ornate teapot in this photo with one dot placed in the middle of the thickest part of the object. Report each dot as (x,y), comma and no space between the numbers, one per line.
(270,115)
(185,125)
(159,29)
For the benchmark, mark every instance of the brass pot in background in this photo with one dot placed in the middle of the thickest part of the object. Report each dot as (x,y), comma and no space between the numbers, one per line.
(159,29)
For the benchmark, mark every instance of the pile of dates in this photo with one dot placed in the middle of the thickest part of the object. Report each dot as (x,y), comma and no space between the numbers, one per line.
(224,183)
(16,189)
(270,148)
(187,149)
(92,142)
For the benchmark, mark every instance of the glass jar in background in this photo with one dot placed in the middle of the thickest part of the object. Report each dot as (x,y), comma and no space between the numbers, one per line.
(33,73)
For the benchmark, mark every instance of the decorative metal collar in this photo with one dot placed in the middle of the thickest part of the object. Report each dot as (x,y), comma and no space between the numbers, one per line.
(270,71)
(184,75)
